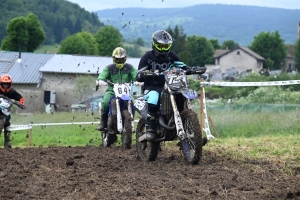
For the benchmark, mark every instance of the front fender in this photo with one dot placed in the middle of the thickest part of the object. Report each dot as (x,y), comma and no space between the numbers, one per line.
(189,94)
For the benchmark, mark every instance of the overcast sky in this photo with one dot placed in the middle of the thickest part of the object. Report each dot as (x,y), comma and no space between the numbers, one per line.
(93,5)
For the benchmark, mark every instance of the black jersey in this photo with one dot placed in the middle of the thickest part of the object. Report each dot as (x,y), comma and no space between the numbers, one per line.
(150,61)
(12,94)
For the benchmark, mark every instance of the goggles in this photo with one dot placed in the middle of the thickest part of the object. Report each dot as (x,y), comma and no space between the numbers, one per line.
(163,47)
(120,60)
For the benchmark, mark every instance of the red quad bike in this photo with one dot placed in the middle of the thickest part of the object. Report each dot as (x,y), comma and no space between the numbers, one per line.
(176,119)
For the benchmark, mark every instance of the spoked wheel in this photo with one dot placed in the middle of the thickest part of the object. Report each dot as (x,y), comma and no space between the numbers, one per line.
(127,131)
(191,146)
(147,151)
(108,139)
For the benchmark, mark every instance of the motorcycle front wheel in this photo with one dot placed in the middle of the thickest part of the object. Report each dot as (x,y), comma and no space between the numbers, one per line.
(191,146)
(147,151)
(127,130)
(108,139)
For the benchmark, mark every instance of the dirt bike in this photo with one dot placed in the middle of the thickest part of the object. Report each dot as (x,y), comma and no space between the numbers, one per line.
(120,119)
(5,108)
(176,120)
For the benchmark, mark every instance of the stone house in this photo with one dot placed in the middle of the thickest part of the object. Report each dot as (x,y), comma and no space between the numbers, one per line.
(240,58)
(38,75)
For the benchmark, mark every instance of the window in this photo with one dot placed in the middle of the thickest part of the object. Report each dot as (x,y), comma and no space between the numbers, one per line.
(238,53)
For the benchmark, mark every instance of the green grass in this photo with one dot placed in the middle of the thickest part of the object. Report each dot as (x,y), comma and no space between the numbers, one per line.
(233,124)
(57,135)
(143,49)
(48,49)
(281,150)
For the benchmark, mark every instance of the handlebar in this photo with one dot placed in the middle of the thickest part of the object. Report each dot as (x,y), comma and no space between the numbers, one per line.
(108,82)
(13,102)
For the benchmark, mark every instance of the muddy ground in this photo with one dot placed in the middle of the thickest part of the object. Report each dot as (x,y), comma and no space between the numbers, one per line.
(112,173)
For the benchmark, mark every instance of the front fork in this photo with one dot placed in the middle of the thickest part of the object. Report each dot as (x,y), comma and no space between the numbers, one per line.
(119,116)
(177,118)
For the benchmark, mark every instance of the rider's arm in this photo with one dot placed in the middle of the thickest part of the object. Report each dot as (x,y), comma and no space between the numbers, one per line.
(13,94)
(133,73)
(143,65)
(104,74)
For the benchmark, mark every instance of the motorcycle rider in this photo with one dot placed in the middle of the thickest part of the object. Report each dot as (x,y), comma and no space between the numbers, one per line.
(7,90)
(159,58)
(118,72)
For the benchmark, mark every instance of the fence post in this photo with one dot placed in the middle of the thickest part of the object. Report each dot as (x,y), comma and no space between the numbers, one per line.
(201,108)
(229,105)
(260,107)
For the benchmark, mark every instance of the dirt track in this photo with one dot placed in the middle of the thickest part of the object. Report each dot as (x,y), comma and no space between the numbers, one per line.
(112,173)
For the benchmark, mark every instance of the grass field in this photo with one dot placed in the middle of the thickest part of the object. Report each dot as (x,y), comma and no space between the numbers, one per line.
(48,49)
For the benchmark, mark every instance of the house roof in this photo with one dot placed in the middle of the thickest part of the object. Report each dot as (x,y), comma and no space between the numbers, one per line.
(26,71)
(61,63)
(220,53)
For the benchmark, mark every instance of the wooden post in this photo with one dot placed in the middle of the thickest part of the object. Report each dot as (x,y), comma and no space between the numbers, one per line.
(209,119)
(29,137)
(201,108)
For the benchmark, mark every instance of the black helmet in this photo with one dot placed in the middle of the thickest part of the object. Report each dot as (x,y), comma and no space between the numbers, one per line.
(119,57)
(161,42)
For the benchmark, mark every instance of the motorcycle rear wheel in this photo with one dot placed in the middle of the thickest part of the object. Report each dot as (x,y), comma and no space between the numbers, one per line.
(147,151)
(191,146)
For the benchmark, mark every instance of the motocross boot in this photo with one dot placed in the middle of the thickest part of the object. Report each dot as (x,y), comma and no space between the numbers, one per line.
(7,137)
(103,120)
(151,128)
(151,124)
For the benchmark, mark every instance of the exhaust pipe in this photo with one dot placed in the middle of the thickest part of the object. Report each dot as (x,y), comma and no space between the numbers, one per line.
(162,123)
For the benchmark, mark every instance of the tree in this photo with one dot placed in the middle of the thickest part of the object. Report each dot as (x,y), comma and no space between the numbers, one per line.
(201,49)
(82,43)
(139,41)
(24,32)
(297,55)
(271,47)
(134,51)
(179,39)
(84,86)
(229,44)
(215,43)
(108,38)
(91,41)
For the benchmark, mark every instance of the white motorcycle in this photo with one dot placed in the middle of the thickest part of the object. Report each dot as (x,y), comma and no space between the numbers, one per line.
(176,119)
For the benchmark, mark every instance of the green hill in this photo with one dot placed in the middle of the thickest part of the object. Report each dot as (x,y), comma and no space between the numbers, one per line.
(59,18)
(222,22)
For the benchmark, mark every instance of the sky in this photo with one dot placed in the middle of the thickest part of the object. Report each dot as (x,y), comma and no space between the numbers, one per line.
(93,5)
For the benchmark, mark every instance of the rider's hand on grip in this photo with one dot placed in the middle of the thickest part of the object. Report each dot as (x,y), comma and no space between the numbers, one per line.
(22,106)
(100,82)
(138,83)
(198,70)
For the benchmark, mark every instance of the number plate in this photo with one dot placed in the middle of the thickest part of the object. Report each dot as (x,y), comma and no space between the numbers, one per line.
(121,89)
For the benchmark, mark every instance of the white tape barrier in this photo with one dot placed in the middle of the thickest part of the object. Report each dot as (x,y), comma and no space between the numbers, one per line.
(238,84)
(29,126)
